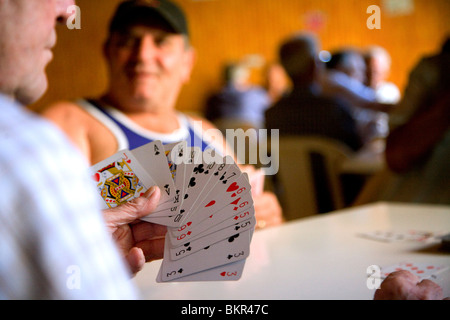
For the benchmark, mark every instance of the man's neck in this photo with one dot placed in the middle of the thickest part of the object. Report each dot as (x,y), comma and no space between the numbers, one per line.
(159,119)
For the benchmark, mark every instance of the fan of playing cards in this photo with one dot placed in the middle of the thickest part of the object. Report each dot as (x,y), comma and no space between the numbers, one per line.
(206,204)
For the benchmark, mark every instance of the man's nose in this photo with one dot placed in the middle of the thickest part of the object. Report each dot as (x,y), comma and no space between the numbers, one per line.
(146,49)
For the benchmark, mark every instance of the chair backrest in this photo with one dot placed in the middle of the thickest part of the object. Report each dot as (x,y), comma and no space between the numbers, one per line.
(307,164)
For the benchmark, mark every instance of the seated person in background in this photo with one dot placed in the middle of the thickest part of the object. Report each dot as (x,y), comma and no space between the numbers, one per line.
(344,79)
(239,104)
(418,147)
(419,154)
(429,79)
(277,82)
(304,111)
(378,66)
(149,59)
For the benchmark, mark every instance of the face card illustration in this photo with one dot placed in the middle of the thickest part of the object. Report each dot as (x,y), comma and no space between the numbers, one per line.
(120,179)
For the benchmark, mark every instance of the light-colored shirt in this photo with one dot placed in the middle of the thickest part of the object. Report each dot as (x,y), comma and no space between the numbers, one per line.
(53,240)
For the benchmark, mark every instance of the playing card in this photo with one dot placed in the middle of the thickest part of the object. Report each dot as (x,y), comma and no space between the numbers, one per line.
(120,178)
(225,173)
(422,270)
(221,253)
(395,236)
(173,152)
(211,237)
(201,221)
(222,194)
(229,272)
(228,223)
(197,182)
(152,158)
(207,206)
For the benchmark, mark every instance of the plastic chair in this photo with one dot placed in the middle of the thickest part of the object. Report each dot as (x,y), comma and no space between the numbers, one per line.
(305,164)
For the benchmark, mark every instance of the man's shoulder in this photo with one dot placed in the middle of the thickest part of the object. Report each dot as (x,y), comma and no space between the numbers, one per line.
(63,109)
(70,116)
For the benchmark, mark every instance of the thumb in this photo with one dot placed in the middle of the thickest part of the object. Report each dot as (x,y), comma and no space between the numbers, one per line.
(133,210)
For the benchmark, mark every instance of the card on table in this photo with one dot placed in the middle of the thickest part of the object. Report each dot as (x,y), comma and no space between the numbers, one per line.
(396,236)
(422,270)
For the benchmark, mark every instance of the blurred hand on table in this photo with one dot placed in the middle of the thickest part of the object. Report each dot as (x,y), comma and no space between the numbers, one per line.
(403,285)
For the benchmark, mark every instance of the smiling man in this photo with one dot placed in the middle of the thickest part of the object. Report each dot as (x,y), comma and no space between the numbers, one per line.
(149,59)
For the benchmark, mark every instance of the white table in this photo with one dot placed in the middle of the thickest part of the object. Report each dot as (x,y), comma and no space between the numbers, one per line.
(319,257)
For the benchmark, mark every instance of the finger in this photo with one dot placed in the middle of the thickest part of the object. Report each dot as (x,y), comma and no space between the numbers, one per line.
(429,290)
(133,210)
(136,260)
(148,231)
(153,249)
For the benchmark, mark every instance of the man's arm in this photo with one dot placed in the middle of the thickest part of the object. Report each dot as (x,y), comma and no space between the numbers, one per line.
(89,135)
(72,120)
(410,143)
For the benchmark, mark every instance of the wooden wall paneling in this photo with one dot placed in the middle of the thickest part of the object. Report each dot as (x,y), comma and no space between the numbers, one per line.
(224,30)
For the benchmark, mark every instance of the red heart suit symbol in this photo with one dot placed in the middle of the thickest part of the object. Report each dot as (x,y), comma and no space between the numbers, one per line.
(233,187)
(96,177)
(210,204)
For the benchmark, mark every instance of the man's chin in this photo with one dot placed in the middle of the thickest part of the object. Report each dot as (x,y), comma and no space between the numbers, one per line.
(32,94)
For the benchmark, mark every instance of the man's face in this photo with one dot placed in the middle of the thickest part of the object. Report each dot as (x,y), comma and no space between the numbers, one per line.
(149,64)
(27,34)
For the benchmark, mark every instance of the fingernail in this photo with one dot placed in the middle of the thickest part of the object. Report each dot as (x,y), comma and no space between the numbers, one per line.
(150,192)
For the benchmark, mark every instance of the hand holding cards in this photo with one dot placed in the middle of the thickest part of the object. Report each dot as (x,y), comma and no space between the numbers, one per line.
(206,203)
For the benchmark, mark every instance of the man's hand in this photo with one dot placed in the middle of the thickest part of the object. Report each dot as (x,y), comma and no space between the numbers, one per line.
(268,211)
(403,285)
(139,241)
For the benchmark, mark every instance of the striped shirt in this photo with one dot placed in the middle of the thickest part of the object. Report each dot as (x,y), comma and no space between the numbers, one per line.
(53,240)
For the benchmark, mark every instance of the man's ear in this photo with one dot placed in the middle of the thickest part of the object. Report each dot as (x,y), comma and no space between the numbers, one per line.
(190,60)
